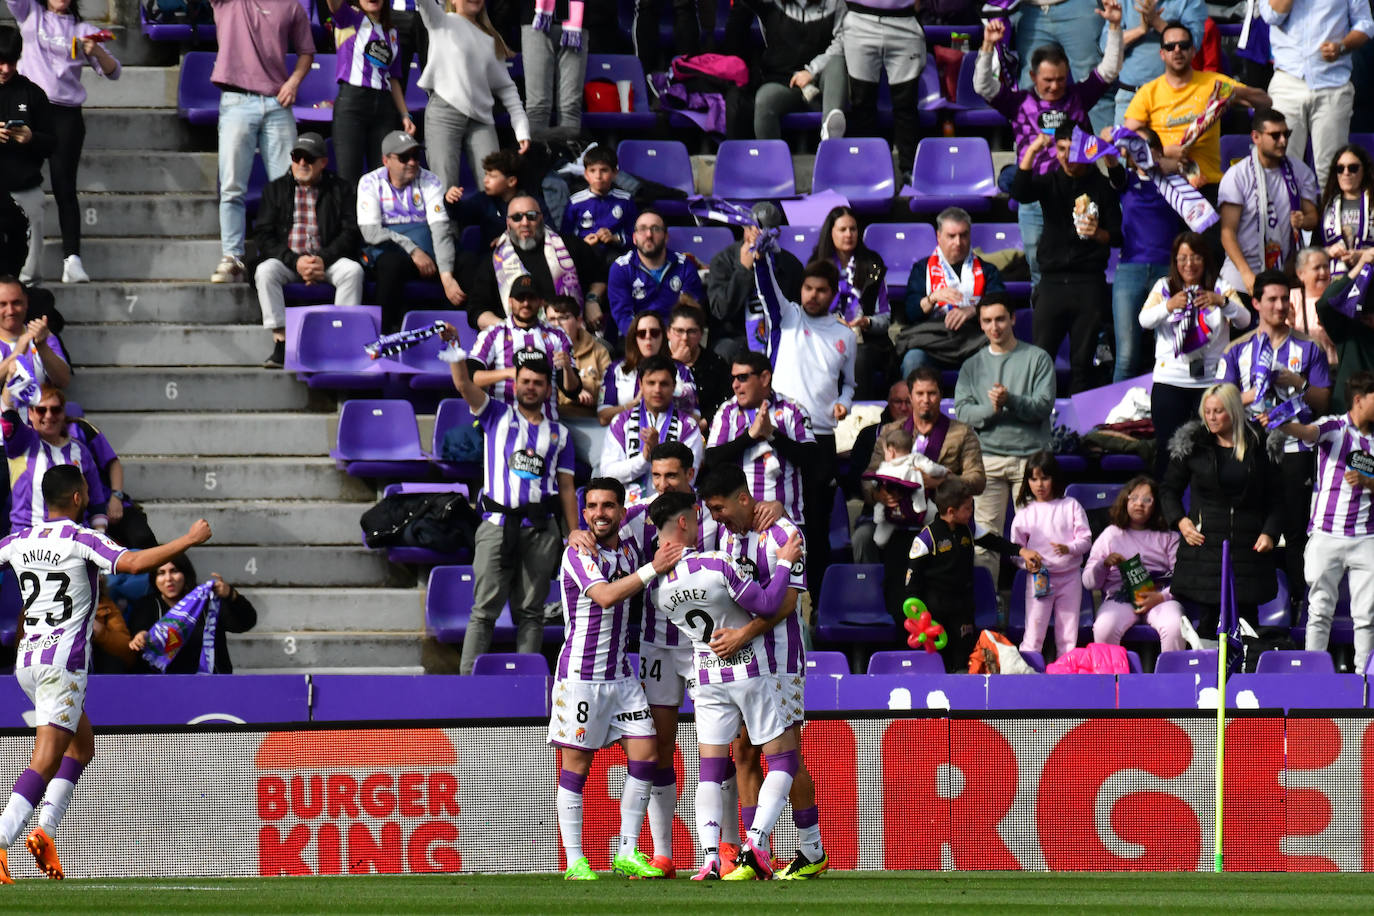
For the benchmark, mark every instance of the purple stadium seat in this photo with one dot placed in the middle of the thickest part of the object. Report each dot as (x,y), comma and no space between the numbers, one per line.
(1298,661)
(703,241)
(754,170)
(448,606)
(527,663)
(421,361)
(952,171)
(826,663)
(379,438)
(970,108)
(315,98)
(860,169)
(906,661)
(1093,495)
(10,602)
(839,527)
(616,67)
(985,611)
(423,556)
(174,31)
(663,161)
(900,245)
(990,237)
(799,240)
(930,98)
(197,97)
(1234,147)
(452,412)
(1035,659)
(1275,612)
(329,349)
(1190,661)
(852,610)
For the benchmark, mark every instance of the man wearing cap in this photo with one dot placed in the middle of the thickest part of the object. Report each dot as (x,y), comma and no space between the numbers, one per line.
(501,349)
(405,228)
(306,231)
(650,277)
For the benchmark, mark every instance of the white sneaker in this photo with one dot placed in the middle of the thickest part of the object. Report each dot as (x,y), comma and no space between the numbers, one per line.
(229,270)
(73,271)
(833,126)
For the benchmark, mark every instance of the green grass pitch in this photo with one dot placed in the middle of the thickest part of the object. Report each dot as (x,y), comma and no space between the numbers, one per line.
(849,893)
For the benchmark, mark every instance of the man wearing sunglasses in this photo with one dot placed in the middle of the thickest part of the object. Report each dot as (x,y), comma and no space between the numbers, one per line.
(405,225)
(1174,101)
(651,277)
(307,231)
(1312,41)
(1265,198)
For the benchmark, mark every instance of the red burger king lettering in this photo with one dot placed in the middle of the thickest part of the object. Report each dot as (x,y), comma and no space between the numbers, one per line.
(356,811)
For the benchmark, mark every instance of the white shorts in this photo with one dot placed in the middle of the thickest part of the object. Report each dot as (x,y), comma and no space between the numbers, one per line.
(58,695)
(666,673)
(590,715)
(753,703)
(791,698)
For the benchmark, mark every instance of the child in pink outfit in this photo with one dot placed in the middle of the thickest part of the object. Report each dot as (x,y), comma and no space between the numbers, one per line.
(1055,527)
(1137,529)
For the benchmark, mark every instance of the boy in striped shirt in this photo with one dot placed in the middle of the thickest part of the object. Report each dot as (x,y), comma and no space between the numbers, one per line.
(703,591)
(57,563)
(596,698)
(1341,532)
(726,494)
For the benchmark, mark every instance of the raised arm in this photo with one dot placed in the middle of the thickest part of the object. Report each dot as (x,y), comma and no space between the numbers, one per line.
(458,369)
(142,561)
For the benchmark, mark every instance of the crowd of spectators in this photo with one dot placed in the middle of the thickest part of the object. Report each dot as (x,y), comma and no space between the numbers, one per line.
(585,308)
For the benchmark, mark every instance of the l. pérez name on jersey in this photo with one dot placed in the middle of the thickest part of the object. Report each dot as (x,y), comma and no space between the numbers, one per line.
(685,594)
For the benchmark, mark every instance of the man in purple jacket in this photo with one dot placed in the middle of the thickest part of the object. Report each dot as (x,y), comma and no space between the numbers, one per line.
(1051,101)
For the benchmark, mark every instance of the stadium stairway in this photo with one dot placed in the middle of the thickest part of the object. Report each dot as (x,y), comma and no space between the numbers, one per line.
(168,367)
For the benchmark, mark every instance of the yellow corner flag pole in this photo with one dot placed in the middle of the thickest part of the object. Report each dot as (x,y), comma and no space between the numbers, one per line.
(1223,621)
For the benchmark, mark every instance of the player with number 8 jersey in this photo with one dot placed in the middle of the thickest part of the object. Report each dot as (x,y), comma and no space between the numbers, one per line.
(57,563)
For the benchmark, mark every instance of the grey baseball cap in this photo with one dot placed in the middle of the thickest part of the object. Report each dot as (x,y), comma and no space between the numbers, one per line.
(397,142)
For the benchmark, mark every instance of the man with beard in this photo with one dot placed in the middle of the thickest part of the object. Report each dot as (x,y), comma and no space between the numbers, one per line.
(942,439)
(556,265)
(528,472)
(650,278)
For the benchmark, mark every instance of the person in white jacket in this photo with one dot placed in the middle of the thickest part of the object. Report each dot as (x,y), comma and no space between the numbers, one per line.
(465,75)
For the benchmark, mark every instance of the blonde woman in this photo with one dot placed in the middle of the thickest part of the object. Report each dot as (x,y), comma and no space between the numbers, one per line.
(1234,486)
(465,76)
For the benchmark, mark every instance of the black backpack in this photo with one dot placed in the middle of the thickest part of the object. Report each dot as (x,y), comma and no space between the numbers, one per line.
(442,522)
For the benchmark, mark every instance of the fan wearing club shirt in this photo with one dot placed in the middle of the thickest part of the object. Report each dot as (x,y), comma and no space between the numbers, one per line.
(725,493)
(633,434)
(503,347)
(1341,541)
(702,592)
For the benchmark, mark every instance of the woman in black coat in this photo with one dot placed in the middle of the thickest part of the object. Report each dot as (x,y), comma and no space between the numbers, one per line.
(1234,496)
(170,582)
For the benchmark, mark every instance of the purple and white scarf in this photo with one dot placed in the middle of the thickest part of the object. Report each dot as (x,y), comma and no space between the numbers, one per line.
(1331,223)
(1272,235)
(169,634)
(1186,200)
(391,344)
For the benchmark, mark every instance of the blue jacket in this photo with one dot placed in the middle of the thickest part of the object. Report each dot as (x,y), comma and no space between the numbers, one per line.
(587,213)
(631,288)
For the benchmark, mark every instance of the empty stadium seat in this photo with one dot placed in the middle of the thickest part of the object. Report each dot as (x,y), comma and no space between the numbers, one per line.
(664,162)
(452,412)
(990,237)
(860,168)
(952,171)
(379,438)
(329,349)
(197,97)
(906,662)
(448,606)
(799,240)
(1278,661)
(174,31)
(526,663)
(970,108)
(822,663)
(616,67)
(703,241)
(1035,659)
(900,245)
(754,170)
(1188,661)
(851,609)
(315,98)
(424,370)
(985,610)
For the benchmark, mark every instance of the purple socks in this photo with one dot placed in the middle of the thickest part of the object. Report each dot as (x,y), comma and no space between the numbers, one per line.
(31,786)
(571,781)
(713,769)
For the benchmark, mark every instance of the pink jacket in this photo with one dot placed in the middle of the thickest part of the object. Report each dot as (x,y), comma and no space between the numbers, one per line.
(1094,658)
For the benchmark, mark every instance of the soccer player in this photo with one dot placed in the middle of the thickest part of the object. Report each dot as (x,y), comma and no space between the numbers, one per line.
(596,699)
(57,563)
(725,492)
(1342,536)
(702,592)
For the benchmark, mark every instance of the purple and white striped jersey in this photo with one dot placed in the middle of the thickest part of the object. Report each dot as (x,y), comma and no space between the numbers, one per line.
(29,459)
(497,348)
(756,554)
(1250,360)
(622,455)
(640,531)
(58,564)
(1338,508)
(770,476)
(521,460)
(705,591)
(368,55)
(594,647)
